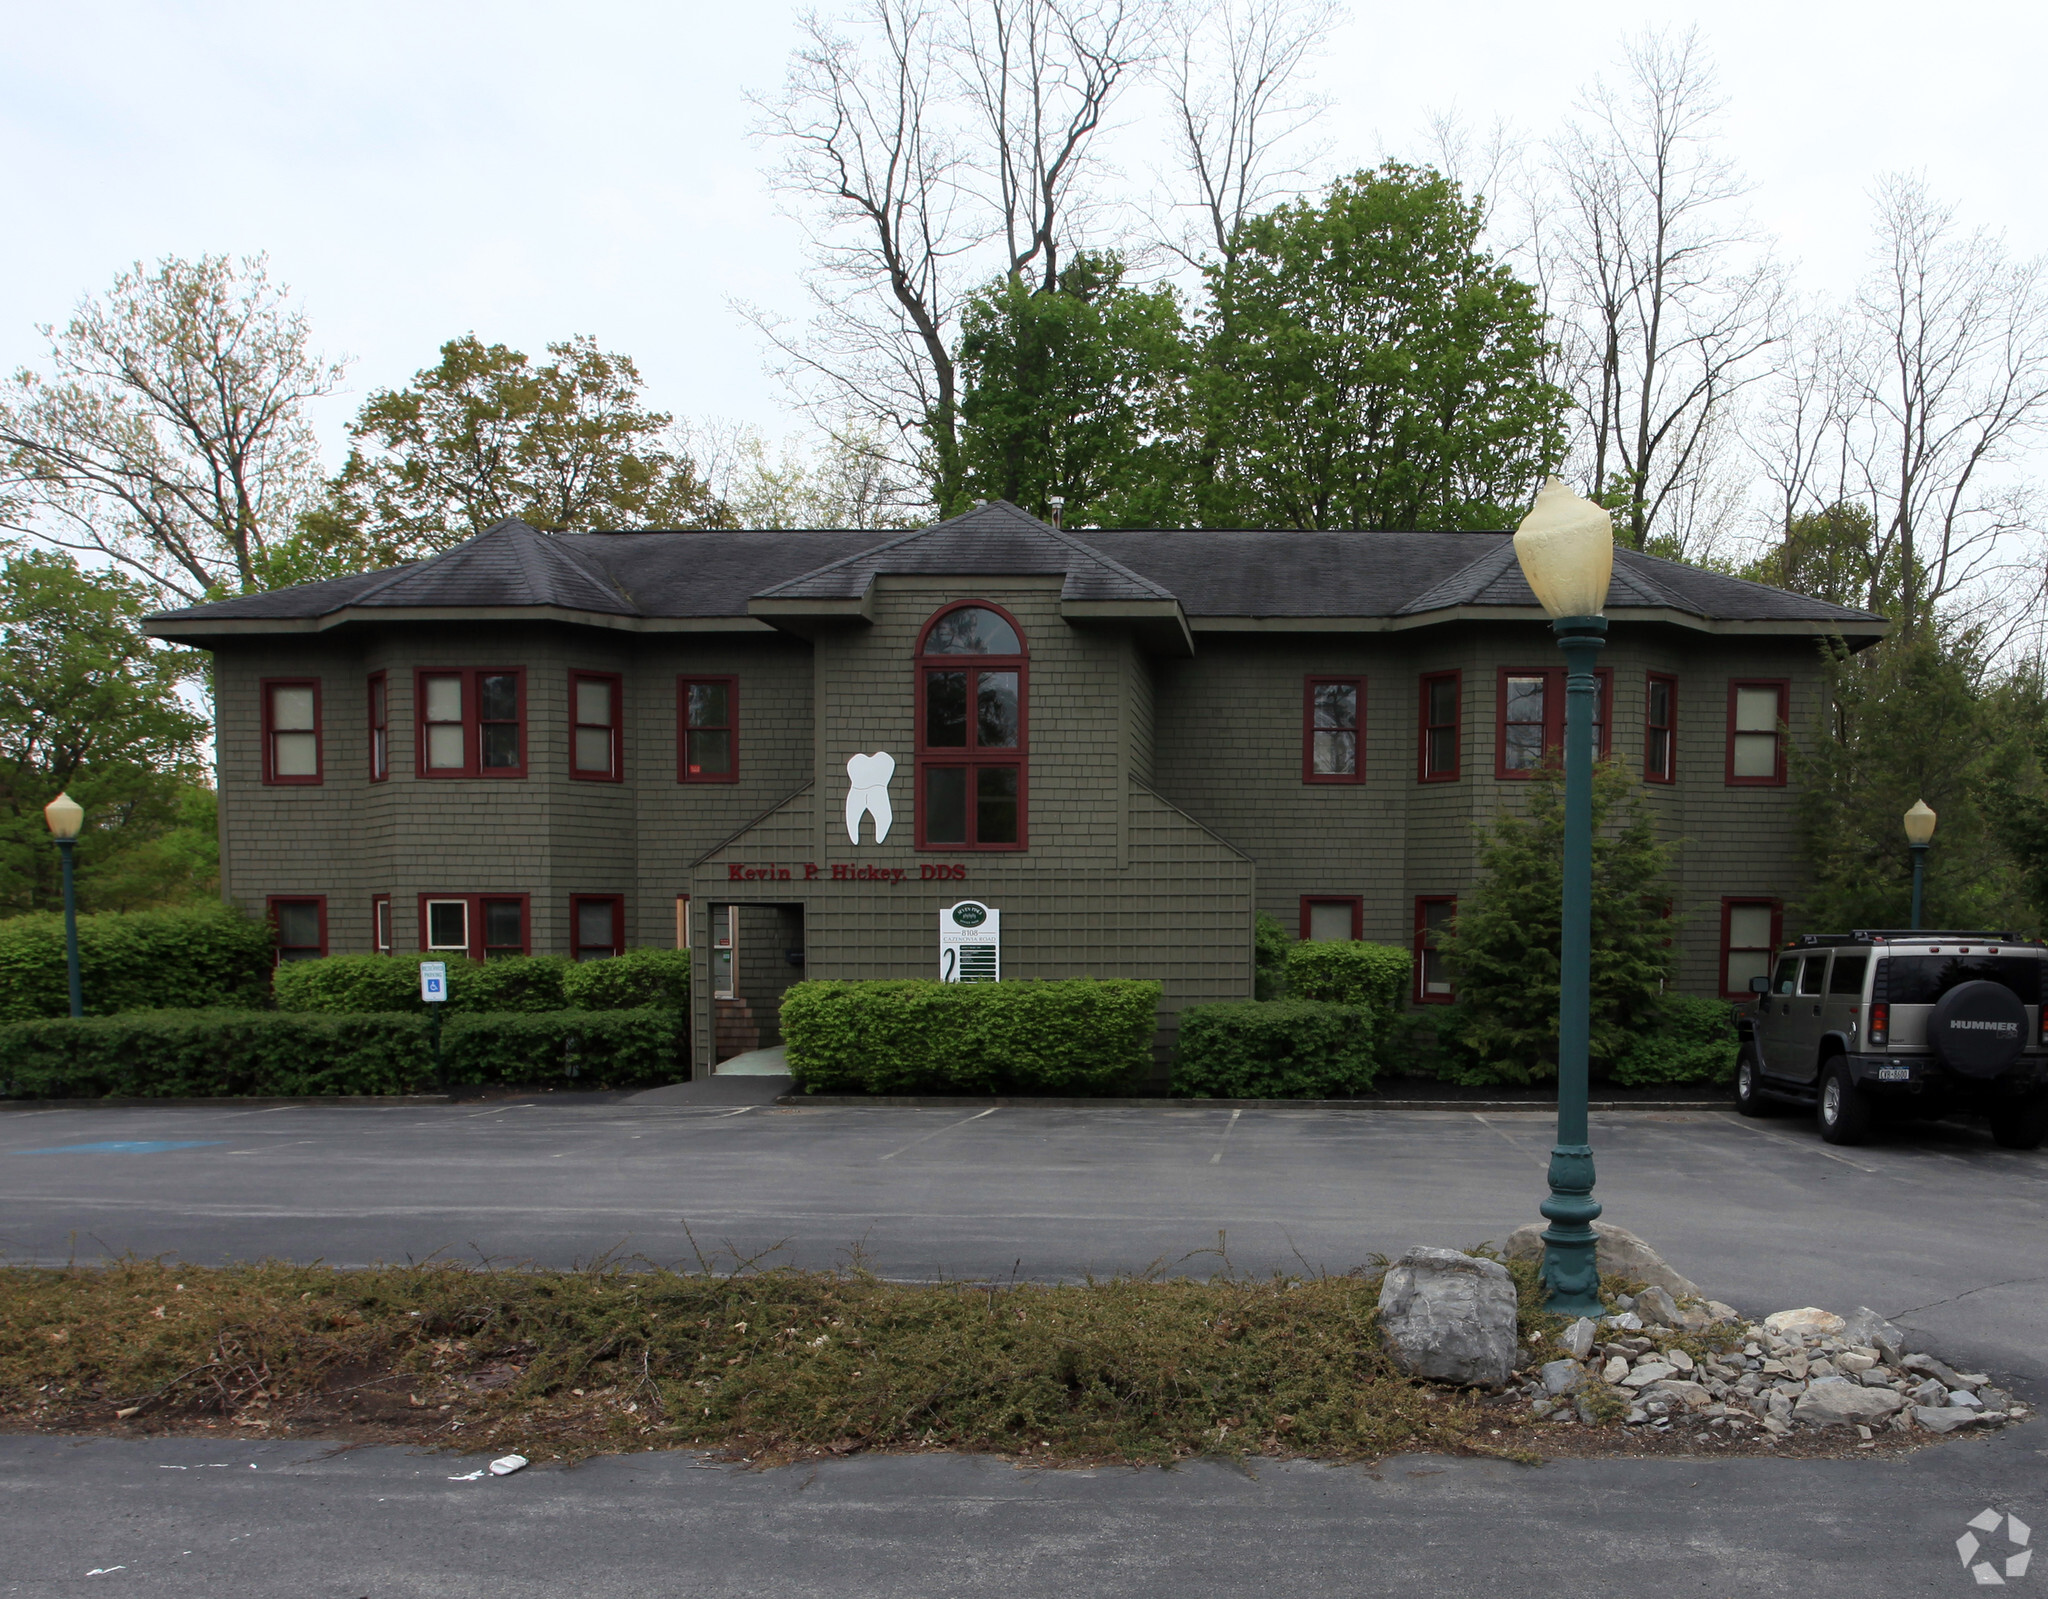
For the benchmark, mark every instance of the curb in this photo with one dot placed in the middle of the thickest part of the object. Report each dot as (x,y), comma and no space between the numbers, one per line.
(250,1103)
(962,1102)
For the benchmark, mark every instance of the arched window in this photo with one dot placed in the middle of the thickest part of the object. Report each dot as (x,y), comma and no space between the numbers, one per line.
(971,690)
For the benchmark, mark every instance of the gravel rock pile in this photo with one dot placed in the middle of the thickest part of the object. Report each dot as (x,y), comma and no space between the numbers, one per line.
(1698,1368)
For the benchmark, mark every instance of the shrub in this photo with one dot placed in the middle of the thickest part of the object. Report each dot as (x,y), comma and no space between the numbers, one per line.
(196,1054)
(511,983)
(1694,1043)
(356,984)
(1350,973)
(1079,1034)
(625,982)
(1270,943)
(183,959)
(1274,1049)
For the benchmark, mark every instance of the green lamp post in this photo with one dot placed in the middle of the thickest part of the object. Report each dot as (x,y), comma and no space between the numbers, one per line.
(1919,833)
(1566,548)
(65,815)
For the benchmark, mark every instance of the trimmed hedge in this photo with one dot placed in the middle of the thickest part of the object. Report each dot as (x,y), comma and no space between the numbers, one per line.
(358,984)
(1073,1035)
(193,957)
(199,1054)
(1275,1049)
(1350,973)
(1696,1043)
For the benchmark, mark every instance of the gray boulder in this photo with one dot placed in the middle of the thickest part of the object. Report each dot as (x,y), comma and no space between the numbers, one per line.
(1834,1402)
(1618,1251)
(1561,1376)
(1945,1419)
(1450,1317)
(1868,1328)
(1947,1374)
(1931,1392)
(1657,1308)
(1577,1339)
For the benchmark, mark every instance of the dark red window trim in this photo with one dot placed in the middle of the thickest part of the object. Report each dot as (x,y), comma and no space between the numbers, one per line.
(378,712)
(1422,903)
(475,923)
(472,720)
(270,905)
(383,939)
(1309,774)
(270,773)
(1424,772)
(1728,904)
(1356,903)
(1669,728)
(617,902)
(732,728)
(1553,715)
(617,773)
(970,757)
(1784,687)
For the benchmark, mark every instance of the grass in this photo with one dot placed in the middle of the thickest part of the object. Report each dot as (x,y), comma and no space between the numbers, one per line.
(770,1365)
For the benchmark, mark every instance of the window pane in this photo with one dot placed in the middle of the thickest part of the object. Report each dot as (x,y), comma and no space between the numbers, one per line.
(710,754)
(383,924)
(972,631)
(1756,710)
(295,754)
(501,745)
(447,924)
(995,710)
(1336,704)
(444,699)
(380,702)
(594,922)
(444,746)
(1749,926)
(1330,922)
(593,749)
(721,974)
(1745,964)
(1657,760)
(1443,701)
(1756,754)
(1525,699)
(1443,749)
(1810,978)
(498,697)
(721,925)
(995,805)
(593,702)
(945,805)
(504,924)
(298,926)
(1525,747)
(945,710)
(1660,702)
(1335,754)
(708,705)
(1435,917)
(1436,978)
(292,708)
(380,752)
(1786,975)
(1847,975)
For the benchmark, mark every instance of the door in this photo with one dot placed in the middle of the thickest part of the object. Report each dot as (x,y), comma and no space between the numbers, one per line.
(1774,1019)
(1843,1011)
(1803,1022)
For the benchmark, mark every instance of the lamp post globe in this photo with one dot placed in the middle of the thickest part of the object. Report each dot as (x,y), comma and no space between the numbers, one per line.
(1566,549)
(65,816)
(1919,823)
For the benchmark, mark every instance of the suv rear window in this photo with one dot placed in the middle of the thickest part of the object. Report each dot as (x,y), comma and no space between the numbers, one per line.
(1923,979)
(1847,977)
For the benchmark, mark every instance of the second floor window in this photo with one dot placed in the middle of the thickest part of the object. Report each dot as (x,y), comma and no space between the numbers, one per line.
(380,727)
(1333,720)
(1660,729)
(1531,719)
(472,723)
(971,731)
(1438,718)
(595,741)
(708,741)
(1756,744)
(291,731)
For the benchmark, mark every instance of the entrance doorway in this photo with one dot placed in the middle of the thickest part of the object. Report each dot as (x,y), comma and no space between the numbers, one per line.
(757,953)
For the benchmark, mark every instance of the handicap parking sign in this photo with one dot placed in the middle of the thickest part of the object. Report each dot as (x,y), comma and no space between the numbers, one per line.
(434,981)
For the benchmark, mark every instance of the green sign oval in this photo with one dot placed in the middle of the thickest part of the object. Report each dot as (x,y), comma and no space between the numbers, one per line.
(969,915)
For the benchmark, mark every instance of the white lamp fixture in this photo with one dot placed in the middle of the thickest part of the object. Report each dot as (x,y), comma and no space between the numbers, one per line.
(65,816)
(1919,823)
(1566,548)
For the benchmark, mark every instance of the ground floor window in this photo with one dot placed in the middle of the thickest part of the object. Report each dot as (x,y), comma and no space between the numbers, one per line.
(299,927)
(1332,918)
(1433,914)
(725,951)
(1750,930)
(477,925)
(380,923)
(599,924)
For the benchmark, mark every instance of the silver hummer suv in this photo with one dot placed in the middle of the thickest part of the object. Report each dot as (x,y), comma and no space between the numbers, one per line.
(1862,1024)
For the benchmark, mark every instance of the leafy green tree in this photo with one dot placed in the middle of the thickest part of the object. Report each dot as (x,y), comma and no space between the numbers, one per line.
(487,434)
(1368,365)
(91,707)
(1835,554)
(1502,948)
(1072,393)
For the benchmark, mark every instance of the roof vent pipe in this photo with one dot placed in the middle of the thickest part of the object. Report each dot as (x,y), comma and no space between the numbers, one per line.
(1058,506)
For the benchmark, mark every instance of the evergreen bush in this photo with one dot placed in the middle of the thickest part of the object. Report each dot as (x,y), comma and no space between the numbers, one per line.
(190,957)
(1693,1041)
(625,982)
(1350,973)
(1076,1035)
(1275,1049)
(198,1054)
(1270,943)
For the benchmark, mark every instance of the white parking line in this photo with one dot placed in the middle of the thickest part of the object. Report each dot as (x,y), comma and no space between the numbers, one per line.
(1541,1162)
(1734,1120)
(937,1130)
(1217,1158)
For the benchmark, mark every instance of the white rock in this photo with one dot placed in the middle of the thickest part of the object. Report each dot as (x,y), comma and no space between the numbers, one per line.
(1577,1339)
(1811,1319)
(1852,1363)
(1450,1317)
(1679,1358)
(1694,1396)
(1964,1399)
(1648,1372)
(1615,1369)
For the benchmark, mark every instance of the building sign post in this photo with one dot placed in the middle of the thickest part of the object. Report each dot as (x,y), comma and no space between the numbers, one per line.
(970,943)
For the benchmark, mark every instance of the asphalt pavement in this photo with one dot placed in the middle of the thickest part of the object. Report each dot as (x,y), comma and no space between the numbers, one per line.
(1934,1226)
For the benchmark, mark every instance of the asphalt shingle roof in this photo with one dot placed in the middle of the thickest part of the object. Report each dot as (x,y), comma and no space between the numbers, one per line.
(1212,573)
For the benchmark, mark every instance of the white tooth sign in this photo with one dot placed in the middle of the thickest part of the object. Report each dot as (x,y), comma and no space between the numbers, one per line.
(867,792)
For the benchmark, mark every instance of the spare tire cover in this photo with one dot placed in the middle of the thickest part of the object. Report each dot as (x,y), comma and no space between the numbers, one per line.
(1978,1028)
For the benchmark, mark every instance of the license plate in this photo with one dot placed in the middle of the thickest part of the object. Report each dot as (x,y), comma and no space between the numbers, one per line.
(1894,1074)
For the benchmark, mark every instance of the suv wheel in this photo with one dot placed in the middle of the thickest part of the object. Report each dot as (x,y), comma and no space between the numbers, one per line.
(1749,1088)
(2020,1126)
(1844,1112)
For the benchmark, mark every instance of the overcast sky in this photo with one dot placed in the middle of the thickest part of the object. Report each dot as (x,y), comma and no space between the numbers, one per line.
(528,171)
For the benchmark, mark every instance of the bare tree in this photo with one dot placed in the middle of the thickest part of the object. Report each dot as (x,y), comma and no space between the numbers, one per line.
(169,434)
(1666,300)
